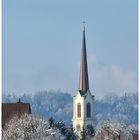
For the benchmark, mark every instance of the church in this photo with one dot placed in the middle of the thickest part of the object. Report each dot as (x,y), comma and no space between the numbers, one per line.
(83,102)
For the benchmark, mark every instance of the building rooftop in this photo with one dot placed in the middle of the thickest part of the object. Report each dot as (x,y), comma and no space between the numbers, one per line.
(11,109)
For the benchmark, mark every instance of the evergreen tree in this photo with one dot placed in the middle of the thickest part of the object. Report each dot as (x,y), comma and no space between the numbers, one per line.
(51,122)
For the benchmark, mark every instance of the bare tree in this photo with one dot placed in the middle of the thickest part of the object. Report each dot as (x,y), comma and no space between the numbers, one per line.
(113,131)
(29,127)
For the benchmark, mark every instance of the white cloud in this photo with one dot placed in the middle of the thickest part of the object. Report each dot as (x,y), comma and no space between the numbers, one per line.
(111,78)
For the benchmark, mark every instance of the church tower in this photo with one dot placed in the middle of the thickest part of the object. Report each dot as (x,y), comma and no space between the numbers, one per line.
(83,102)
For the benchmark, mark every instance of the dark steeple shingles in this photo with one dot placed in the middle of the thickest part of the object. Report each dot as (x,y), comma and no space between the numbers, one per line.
(83,83)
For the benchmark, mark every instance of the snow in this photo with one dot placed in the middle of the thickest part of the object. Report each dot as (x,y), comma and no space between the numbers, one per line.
(110,130)
(31,128)
(58,104)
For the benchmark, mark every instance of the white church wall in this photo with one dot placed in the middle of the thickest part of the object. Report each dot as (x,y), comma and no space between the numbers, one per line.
(88,99)
(78,120)
(83,120)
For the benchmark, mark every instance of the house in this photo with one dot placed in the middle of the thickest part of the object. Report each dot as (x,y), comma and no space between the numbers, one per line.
(11,109)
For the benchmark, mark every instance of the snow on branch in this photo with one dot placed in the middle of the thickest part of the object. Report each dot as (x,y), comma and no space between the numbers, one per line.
(31,128)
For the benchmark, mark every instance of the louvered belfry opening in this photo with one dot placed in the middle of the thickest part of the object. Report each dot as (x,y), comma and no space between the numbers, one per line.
(88,110)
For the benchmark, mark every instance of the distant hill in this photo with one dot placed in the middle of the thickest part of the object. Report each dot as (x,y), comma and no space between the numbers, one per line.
(59,105)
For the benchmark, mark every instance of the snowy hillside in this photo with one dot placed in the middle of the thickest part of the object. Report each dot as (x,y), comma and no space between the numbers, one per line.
(59,105)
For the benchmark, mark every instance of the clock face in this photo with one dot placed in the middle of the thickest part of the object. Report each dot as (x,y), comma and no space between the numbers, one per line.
(78,127)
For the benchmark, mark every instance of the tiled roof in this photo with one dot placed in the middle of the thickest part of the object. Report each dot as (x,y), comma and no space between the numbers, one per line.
(11,109)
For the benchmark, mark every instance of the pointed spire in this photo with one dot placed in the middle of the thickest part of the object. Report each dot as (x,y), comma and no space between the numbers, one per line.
(83,83)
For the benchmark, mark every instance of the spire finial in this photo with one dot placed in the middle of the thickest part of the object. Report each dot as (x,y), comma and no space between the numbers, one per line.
(84,25)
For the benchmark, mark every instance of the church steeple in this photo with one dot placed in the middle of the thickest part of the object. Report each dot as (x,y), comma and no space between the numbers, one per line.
(83,83)
(83,102)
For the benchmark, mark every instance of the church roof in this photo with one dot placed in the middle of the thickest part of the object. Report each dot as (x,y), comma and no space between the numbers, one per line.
(11,109)
(83,81)
(82,93)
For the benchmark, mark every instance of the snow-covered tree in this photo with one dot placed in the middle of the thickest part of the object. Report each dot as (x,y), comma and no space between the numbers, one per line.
(54,103)
(114,131)
(87,133)
(69,132)
(29,127)
(122,109)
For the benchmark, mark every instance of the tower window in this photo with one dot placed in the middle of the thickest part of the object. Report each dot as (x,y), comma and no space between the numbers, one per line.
(79,110)
(88,107)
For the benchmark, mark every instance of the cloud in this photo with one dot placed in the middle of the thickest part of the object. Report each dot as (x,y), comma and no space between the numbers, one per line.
(111,78)
(102,79)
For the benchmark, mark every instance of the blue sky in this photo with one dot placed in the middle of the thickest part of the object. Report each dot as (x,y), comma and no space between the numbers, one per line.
(42,45)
